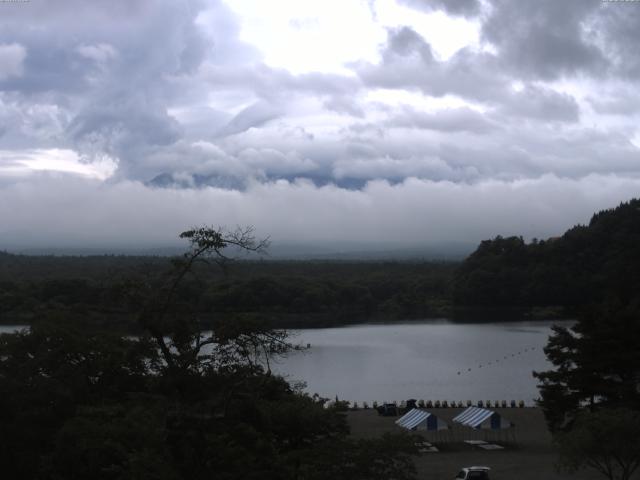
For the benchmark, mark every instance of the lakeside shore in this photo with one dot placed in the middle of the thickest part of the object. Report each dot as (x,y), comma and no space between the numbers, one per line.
(532,457)
(126,323)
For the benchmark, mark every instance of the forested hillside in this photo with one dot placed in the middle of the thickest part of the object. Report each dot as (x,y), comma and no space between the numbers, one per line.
(289,293)
(587,264)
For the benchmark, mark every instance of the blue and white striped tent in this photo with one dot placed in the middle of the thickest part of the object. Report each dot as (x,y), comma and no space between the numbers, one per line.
(417,419)
(481,418)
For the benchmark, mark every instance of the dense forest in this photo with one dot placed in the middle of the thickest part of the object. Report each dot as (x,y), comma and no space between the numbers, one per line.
(588,264)
(553,277)
(289,293)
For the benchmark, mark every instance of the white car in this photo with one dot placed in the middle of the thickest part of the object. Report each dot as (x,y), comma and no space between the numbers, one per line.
(473,473)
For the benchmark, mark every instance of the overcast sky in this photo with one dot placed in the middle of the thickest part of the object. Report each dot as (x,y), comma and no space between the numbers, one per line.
(407,121)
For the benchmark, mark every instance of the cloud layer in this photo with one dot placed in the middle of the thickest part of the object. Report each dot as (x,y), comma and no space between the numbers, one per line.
(414,212)
(526,129)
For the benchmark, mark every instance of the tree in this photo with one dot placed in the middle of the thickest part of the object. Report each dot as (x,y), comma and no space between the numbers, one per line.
(172,324)
(48,373)
(596,364)
(606,441)
(174,401)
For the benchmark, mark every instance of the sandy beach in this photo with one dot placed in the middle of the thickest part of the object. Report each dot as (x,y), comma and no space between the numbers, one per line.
(531,457)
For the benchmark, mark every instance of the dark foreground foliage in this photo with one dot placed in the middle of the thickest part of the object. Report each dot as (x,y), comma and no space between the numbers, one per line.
(591,399)
(596,365)
(606,441)
(85,405)
(173,402)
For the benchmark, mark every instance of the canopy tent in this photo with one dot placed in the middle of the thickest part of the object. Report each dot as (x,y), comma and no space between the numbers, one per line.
(481,418)
(417,419)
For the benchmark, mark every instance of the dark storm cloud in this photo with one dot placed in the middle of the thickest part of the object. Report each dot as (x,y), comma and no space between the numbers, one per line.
(147,38)
(541,104)
(109,71)
(466,8)
(37,119)
(125,128)
(545,39)
(619,28)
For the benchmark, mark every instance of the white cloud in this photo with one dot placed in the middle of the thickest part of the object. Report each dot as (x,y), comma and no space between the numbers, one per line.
(100,53)
(309,36)
(59,211)
(25,162)
(12,56)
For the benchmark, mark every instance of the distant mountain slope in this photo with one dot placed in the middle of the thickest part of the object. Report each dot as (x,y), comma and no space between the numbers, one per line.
(587,264)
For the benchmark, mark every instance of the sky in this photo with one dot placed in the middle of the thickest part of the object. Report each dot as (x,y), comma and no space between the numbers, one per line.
(399,122)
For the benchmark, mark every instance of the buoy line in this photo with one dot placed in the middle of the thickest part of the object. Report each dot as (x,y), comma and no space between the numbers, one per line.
(505,357)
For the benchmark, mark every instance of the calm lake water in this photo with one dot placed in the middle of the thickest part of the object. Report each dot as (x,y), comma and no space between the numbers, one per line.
(432,360)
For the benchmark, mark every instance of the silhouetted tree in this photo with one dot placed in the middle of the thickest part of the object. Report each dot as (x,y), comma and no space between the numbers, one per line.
(596,364)
(176,401)
(606,441)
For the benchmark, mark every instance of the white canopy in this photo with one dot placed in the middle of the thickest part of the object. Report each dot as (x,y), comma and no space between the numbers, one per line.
(476,417)
(417,419)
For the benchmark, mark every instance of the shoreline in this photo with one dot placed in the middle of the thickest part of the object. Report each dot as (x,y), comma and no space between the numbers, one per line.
(312,321)
(532,457)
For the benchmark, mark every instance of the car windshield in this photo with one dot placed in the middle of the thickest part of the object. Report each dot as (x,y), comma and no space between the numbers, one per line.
(481,475)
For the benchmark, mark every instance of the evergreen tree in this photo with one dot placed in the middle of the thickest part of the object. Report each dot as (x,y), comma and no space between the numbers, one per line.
(597,364)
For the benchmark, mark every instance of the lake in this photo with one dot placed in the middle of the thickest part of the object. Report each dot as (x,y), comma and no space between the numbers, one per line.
(432,360)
